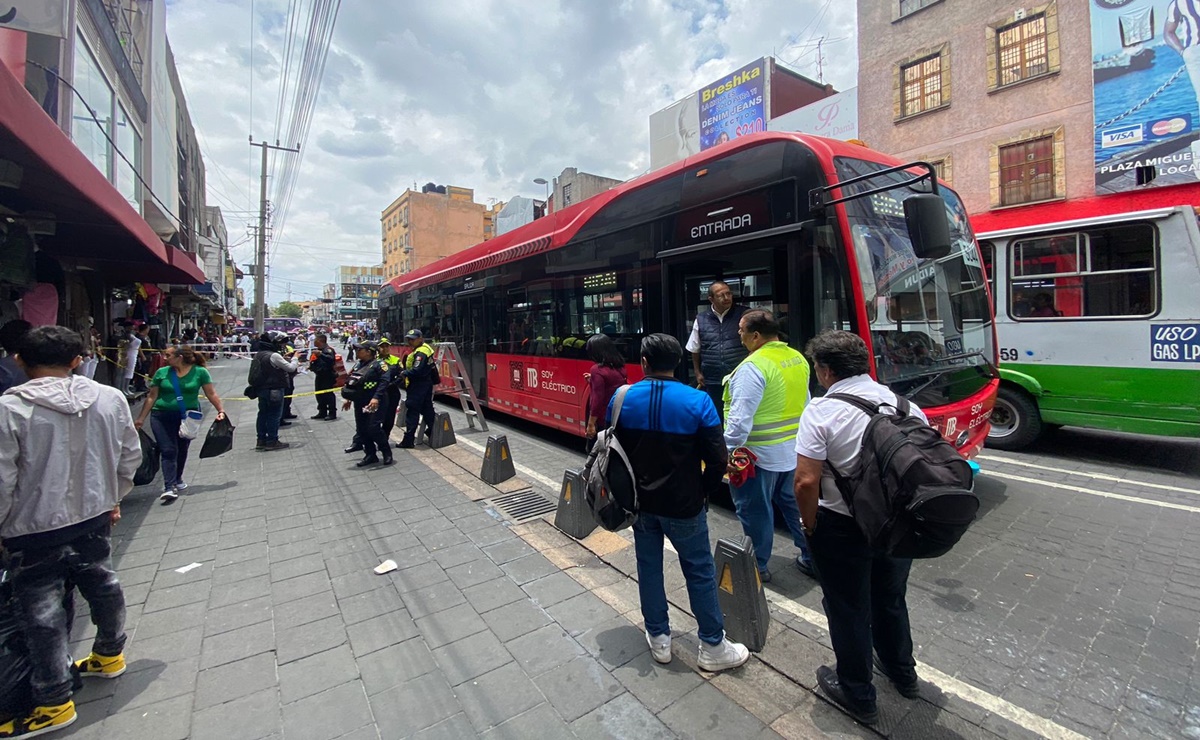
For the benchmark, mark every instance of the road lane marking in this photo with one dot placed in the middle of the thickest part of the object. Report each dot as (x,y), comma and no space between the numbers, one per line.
(523,470)
(1100,476)
(1090,492)
(1022,717)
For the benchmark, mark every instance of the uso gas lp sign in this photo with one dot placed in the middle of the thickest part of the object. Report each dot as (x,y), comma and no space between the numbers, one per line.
(1175,342)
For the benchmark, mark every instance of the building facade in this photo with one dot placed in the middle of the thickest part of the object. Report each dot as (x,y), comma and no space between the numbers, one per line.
(1002,97)
(573,186)
(425,226)
(357,292)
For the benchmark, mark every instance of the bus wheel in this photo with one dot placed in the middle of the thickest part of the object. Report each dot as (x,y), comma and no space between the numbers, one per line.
(1016,422)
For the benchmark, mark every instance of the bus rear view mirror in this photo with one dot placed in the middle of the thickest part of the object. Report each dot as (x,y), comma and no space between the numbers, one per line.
(928,228)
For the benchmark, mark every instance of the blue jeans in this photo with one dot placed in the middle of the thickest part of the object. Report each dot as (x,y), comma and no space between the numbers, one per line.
(753,503)
(689,537)
(270,412)
(172,447)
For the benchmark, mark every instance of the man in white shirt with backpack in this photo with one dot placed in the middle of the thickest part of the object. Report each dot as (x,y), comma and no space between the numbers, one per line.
(864,591)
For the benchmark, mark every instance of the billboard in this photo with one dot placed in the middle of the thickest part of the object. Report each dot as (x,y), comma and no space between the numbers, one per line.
(734,106)
(1146,82)
(675,132)
(835,117)
(35,16)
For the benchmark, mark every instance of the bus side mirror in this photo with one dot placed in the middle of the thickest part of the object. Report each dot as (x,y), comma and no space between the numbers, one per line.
(928,227)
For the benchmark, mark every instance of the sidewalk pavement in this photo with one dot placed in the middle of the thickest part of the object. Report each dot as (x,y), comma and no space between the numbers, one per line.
(253,613)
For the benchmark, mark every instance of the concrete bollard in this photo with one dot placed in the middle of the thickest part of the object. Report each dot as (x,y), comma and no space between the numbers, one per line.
(442,434)
(497,461)
(574,516)
(740,593)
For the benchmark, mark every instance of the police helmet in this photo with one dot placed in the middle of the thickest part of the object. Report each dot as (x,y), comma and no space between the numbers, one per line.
(277,338)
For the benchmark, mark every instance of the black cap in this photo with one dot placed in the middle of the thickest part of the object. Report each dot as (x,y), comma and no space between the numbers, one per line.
(413,334)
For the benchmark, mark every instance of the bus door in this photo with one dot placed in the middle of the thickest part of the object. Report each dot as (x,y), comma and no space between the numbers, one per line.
(473,338)
(758,277)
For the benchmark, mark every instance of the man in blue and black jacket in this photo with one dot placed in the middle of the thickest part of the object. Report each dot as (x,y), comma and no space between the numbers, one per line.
(668,430)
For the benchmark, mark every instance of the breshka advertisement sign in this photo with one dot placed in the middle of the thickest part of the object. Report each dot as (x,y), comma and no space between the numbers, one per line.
(1146,81)
(734,106)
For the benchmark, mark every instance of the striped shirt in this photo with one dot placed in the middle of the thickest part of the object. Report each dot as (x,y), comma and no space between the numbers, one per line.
(1185,14)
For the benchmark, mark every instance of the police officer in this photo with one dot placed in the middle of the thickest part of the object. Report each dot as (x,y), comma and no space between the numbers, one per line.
(714,344)
(366,390)
(323,364)
(289,391)
(392,402)
(763,401)
(418,368)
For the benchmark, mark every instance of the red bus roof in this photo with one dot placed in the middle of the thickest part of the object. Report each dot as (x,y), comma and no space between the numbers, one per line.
(1082,208)
(557,229)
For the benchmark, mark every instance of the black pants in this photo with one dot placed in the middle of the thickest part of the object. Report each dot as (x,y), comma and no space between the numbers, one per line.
(368,429)
(389,410)
(288,391)
(864,602)
(418,405)
(717,394)
(41,578)
(326,402)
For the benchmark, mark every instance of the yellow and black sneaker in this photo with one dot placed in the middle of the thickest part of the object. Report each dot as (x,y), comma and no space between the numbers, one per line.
(101,666)
(41,721)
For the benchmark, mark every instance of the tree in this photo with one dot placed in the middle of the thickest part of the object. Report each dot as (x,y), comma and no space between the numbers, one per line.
(287,310)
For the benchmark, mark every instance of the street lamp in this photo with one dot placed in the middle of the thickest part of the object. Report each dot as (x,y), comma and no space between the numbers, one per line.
(542,181)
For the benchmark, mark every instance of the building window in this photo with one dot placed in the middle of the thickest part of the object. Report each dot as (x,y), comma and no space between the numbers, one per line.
(1027,171)
(1022,50)
(566,191)
(908,7)
(129,159)
(921,83)
(90,128)
(941,165)
(1023,46)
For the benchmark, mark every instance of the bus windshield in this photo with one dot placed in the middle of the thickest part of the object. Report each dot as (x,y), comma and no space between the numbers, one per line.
(929,318)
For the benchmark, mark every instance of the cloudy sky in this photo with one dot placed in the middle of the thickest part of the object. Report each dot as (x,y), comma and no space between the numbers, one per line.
(480,94)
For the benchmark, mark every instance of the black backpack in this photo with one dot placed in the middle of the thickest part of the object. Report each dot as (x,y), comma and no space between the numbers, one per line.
(912,496)
(610,484)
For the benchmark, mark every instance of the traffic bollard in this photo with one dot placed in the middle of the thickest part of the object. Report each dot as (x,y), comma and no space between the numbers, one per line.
(442,433)
(574,516)
(497,461)
(740,593)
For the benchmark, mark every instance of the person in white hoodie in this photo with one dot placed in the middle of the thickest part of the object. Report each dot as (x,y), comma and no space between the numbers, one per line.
(68,453)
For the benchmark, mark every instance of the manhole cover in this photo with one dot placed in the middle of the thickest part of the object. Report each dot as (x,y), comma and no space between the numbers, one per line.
(522,506)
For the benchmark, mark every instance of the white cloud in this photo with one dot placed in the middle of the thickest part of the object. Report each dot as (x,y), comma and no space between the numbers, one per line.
(487,95)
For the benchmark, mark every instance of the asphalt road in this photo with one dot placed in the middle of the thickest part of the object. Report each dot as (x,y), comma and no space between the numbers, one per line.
(1073,602)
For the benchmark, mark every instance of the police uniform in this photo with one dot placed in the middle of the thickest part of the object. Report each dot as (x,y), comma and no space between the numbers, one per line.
(392,401)
(418,379)
(322,364)
(368,382)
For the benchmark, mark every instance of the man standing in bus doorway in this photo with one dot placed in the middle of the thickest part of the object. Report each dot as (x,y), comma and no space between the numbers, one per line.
(714,344)
(763,401)
(418,369)
(392,401)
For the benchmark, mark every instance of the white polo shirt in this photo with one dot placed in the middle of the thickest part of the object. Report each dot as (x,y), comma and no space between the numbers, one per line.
(693,342)
(832,430)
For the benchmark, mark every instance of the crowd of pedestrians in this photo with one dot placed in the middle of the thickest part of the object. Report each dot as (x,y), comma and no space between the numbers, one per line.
(69,447)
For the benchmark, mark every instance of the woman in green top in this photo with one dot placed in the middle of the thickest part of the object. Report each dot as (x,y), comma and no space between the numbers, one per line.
(162,407)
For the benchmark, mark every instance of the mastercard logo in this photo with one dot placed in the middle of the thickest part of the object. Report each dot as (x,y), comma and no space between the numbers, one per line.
(1169,126)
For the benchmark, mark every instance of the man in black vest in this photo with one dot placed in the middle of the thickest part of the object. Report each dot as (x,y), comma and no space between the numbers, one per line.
(322,364)
(271,379)
(715,344)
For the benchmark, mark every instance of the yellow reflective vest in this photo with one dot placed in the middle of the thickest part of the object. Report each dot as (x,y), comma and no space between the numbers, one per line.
(777,418)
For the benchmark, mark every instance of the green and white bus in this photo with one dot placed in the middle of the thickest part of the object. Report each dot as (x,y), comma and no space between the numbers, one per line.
(1097,318)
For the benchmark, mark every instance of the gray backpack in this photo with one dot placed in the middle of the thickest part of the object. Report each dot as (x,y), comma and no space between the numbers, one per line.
(610,485)
(912,496)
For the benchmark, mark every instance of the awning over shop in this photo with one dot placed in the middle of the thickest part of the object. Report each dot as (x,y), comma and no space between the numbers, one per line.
(46,174)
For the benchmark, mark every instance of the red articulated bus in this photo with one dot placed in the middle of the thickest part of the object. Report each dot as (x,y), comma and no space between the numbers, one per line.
(826,234)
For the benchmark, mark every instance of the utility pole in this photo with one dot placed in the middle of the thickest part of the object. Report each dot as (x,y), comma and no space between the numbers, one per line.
(260,269)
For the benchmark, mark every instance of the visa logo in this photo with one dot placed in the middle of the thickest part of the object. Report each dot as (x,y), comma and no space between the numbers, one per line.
(1123,136)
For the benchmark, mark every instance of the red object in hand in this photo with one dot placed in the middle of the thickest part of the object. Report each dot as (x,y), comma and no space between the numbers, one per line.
(741,463)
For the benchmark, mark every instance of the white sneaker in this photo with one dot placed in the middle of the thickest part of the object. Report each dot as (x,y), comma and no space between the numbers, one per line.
(180,486)
(727,654)
(660,647)
(168,496)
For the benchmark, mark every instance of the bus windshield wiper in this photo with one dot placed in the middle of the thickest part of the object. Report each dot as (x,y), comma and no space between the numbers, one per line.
(991,372)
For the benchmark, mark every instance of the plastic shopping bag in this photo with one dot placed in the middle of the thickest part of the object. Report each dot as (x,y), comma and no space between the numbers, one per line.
(219,439)
(148,470)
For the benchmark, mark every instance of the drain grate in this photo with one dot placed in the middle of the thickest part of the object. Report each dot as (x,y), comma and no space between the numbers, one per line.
(522,506)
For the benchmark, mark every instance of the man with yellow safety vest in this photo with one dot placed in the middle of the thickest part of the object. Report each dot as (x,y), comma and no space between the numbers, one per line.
(764,397)
(418,379)
(394,382)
